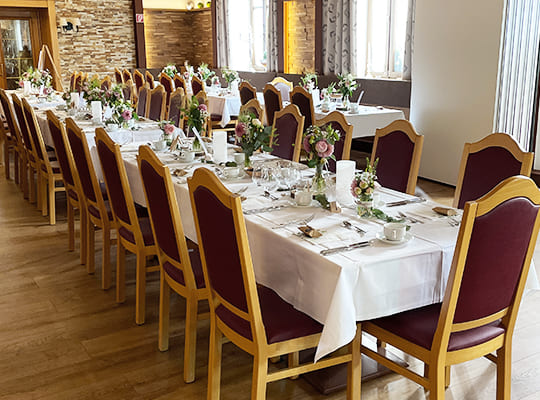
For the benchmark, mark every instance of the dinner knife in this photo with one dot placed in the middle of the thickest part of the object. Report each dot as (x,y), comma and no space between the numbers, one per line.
(403,202)
(264,209)
(344,248)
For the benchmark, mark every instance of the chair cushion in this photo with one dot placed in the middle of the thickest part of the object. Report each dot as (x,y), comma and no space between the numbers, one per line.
(73,194)
(418,326)
(281,320)
(95,212)
(216,117)
(146,230)
(196,266)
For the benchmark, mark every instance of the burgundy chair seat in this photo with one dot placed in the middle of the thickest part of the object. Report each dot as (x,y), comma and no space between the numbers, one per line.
(418,326)
(281,320)
(196,266)
(216,117)
(146,230)
(95,212)
(73,194)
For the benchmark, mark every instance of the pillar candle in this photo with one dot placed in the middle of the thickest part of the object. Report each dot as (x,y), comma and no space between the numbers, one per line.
(220,146)
(96,111)
(344,177)
(75,99)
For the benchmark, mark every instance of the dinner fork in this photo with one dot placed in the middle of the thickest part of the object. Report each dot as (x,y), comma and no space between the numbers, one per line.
(296,222)
(348,225)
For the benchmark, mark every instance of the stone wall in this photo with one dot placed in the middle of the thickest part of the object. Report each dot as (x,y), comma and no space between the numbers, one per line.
(301,35)
(105,40)
(176,36)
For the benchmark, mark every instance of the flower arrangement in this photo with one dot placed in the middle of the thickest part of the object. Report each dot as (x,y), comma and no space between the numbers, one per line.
(36,77)
(363,186)
(204,72)
(347,84)
(252,135)
(188,74)
(91,90)
(124,114)
(168,129)
(309,81)
(170,69)
(229,75)
(196,115)
(319,146)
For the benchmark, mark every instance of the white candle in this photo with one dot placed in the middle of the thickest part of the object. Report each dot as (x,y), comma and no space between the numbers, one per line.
(26,88)
(75,99)
(96,111)
(220,146)
(344,177)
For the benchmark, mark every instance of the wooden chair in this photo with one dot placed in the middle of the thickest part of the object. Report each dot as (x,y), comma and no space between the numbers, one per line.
(284,86)
(74,192)
(272,102)
(126,75)
(134,231)
(11,137)
(97,210)
(254,107)
(149,79)
(288,128)
(176,104)
(342,148)
(72,79)
(197,85)
(128,91)
(80,79)
(118,76)
(139,80)
(180,267)
(48,172)
(302,98)
(251,316)
(399,149)
(247,92)
(156,104)
(202,98)
(486,163)
(180,82)
(478,313)
(106,83)
(168,84)
(142,101)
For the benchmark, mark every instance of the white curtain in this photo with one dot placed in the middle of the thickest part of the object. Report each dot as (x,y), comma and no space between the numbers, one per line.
(518,71)
(339,36)
(409,41)
(273,44)
(222,35)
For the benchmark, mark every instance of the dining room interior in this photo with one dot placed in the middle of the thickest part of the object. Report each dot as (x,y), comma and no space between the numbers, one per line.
(282,199)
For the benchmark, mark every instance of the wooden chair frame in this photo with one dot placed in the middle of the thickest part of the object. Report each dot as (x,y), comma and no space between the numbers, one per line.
(178,92)
(202,98)
(195,78)
(439,359)
(138,77)
(406,127)
(179,81)
(189,290)
(339,118)
(271,88)
(106,81)
(163,100)
(253,104)
(13,144)
(149,79)
(163,77)
(295,112)
(92,222)
(139,248)
(126,75)
(249,87)
(118,76)
(494,140)
(258,346)
(303,92)
(279,79)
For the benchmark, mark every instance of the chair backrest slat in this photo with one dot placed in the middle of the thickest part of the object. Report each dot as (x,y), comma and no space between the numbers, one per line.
(288,129)
(156,104)
(272,102)
(342,148)
(302,98)
(176,104)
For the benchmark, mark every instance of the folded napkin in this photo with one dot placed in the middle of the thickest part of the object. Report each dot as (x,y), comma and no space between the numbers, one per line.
(130,147)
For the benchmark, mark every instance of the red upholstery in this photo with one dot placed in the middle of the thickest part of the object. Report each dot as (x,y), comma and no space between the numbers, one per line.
(62,154)
(106,85)
(272,105)
(139,81)
(196,266)
(95,212)
(338,146)
(146,230)
(179,82)
(118,77)
(10,118)
(281,320)
(304,105)
(175,112)
(196,87)
(484,170)
(418,326)
(149,79)
(127,75)
(81,165)
(220,247)
(246,94)
(167,85)
(496,255)
(156,101)
(394,152)
(286,127)
(33,133)
(141,103)
(126,92)
(22,126)
(216,117)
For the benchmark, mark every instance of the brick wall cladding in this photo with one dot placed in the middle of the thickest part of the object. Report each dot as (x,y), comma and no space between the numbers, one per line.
(301,22)
(106,38)
(176,36)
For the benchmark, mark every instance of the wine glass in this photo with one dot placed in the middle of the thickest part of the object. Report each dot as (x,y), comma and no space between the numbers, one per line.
(257,175)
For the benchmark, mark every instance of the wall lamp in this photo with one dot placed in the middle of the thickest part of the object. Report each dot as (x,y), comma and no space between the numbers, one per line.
(70,24)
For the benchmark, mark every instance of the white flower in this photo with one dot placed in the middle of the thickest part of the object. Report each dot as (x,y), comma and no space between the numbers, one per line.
(256,122)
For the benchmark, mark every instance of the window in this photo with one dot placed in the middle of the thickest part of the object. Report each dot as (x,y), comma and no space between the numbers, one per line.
(247,27)
(381,33)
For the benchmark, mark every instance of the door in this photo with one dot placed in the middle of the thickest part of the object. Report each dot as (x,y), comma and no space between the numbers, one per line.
(16,50)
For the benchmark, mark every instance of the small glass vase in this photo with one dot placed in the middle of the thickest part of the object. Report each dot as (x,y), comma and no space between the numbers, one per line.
(319,183)
(364,207)
(247,160)
(196,146)
(346,102)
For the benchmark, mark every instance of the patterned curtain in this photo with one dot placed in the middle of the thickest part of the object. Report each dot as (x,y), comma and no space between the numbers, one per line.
(409,41)
(339,36)
(222,35)
(273,44)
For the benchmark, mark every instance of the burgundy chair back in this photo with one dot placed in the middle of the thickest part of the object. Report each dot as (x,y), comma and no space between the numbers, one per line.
(118,76)
(272,102)
(167,84)
(141,102)
(61,149)
(286,129)
(79,82)
(8,113)
(395,153)
(179,82)
(106,84)
(127,90)
(157,102)
(495,259)
(221,251)
(305,105)
(196,85)
(72,81)
(81,164)
(126,75)
(150,79)
(247,92)
(33,130)
(338,146)
(175,107)
(25,134)
(484,170)
(139,80)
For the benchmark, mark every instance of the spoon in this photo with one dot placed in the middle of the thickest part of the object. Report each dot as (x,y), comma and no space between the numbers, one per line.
(348,225)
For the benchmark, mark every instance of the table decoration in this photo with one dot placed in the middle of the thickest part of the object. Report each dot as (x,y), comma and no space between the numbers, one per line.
(196,116)
(204,72)
(252,135)
(362,188)
(39,79)
(309,81)
(319,146)
(344,177)
(220,146)
(170,69)
(168,129)
(230,76)
(347,85)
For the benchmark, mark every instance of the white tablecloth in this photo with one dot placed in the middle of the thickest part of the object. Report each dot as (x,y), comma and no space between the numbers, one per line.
(227,106)
(368,119)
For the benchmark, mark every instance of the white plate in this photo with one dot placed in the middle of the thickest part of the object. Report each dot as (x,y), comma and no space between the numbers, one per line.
(382,238)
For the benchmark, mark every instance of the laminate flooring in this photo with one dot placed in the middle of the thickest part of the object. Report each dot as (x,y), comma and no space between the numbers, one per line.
(62,337)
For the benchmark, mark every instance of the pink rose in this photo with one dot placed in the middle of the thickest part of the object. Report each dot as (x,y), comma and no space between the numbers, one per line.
(168,129)
(127,115)
(240,129)
(323,148)
(203,107)
(307,146)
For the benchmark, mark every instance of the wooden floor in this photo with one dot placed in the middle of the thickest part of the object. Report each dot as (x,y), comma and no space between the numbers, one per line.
(62,337)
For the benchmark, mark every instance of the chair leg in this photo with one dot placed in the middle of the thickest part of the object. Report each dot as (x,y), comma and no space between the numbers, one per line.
(504,372)
(214,362)
(39,191)
(6,158)
(164,301)
(16,161)
(190,344)
(52,202)
(84,233)
(24,177)
(71,225)
(437,378)
(447,374)
(31,184)
(90,247)
(106,259)
(140,295)
(293,361)
(120,272)
(260,372)
(354,368)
